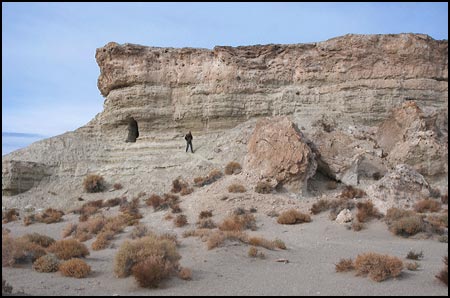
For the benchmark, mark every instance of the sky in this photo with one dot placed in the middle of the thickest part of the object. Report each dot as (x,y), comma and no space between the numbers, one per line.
(49,72)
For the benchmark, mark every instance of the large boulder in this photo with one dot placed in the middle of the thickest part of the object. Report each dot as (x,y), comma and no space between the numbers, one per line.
(279,151)
(20,176)
(400,188)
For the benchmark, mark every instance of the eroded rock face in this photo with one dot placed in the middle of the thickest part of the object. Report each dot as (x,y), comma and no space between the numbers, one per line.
(408,136)
(400,188)
(278,150)
(20,176)
(357,78)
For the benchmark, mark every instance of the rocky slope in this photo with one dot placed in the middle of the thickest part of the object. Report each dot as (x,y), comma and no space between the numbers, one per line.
(348,82)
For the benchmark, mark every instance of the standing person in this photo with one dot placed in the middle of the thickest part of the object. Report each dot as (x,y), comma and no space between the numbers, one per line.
(133,131)
(188,139)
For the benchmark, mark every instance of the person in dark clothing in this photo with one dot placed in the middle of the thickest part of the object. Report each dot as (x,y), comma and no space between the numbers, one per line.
(188,139)
(133,131)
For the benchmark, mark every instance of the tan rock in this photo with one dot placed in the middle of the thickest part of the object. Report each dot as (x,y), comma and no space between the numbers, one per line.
(344,216)
(278,150)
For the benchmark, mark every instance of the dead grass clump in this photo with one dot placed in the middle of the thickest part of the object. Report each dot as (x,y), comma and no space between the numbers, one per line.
(351,192)
(236,188)
(175,208)
(206,223)
(47,263)
(292,217)
(263,187)
(366,211)
(186,190)
(238,223)
(137,251)
(212,177)
(139,231)
(254,253)
(185,273)
(94,183)
(103,239)
(178,184)
(154,201)
(412,266)
(28,220)
(279,244)
(10,215)
(69,230)
(262,242)
(437,223)
(404,222)
(233,168)
(75,268)
(357,226)
(320,206)
(427,205)
(168,216)
(49,216)
(443,275)
(8,248)
(344,265)
(117,186)
(205,214)
(199,181)
(180,220)
(150,272)
(113,202)
(21,250)
(70,248)
(412,255)
(378,267)
(338,205)
(39,239)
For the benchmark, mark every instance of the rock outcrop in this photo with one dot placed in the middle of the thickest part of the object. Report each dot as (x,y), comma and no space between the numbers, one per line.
(279,151)
(20,176)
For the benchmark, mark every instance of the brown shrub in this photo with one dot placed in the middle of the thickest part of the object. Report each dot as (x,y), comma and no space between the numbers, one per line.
(351,192)
(292,217)
(427,205)
(199,181)
(70,248)
(185,273)
(94,183)
(39,239)
(49,216)
(117,186)
(233,168)
(212,177)
(238,223)
(366,211)
(338,205)
(437,223)
(154,201)
(47,263)
(443,275)
(206,223)
(8,249)
(151,271)
(139,231)
(254,253)
(263,187)
(175,208)
(279,244)
(205,214)
(112,202)
(137,251)
(236,188)
(412,266)
(378,267)
(404,222)
(69,230)
(178,184)
(344,265)
(319,206)
(75,268)
(186,190)
(412,255)
(262,242)
(10,215)
(168,216)
(357,226)
(28,220)
(103,239)
(180,220)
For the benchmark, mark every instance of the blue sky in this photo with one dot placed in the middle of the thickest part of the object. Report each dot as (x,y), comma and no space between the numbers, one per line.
(49,73)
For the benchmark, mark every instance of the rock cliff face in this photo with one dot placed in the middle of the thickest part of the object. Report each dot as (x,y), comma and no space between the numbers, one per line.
(355,78)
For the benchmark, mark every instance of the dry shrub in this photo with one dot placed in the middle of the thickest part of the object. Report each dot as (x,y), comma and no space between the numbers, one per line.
(178,184)
(75,268)
(262,242)
(139,231)
(185,273)
(199,181)
(70,248)
(404,222)
(443,275)
(216,238)
(28,220)
(263,187)
(254,253)
(117,186)
(292,217)
(186,190)
(233,168)
(236,188)
(212,177)
(238,223)
(344,265)
(8,248)
(94,183)
(137,251)
(68,230)
(378,267)
(412,255)
(205,214)
(154,201)
(338,205)
(180,220)
(151,271)
(168,216)
(366,211)
(412,266)
(113,202)
(39,239)
(279,244)
(114,224)
(427,205)
(47,263)
(103,239)
(351,192)
(10,215)
(319,206)
(437,223)
(175,208)
(49,216)
(206,223)
(6,288)
(357,226)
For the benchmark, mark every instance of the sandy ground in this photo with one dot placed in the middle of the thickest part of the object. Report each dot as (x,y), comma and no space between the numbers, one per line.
(313,249)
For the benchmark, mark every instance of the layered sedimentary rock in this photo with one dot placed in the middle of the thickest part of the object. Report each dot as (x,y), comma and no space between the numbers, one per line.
(20,176)
(278,151)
